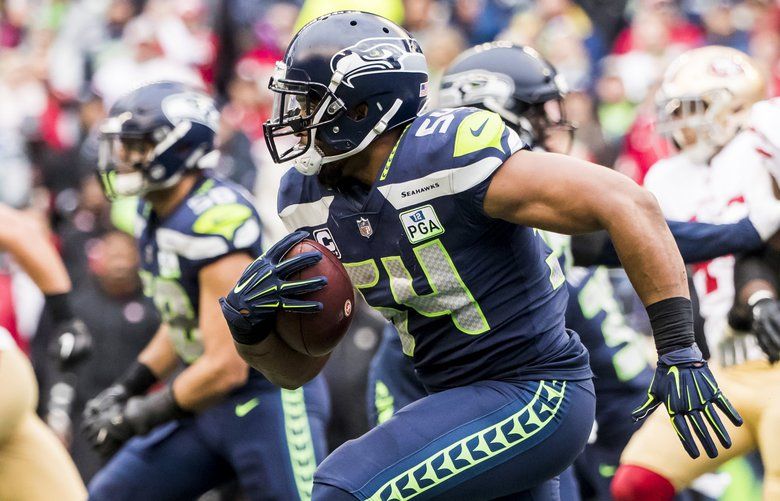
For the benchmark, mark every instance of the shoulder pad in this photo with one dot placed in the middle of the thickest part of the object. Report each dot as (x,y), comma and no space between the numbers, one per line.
(301,202)
(217,219)
(448,152)
(477,131)
(764,119)
(454,137)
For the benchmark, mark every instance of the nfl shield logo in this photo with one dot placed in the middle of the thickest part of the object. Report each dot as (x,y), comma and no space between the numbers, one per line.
(365,227)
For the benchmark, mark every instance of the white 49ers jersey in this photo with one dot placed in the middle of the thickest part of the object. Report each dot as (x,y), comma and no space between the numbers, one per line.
(711,193)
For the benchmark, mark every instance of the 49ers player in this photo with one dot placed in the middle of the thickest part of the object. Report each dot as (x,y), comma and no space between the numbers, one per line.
(708,104)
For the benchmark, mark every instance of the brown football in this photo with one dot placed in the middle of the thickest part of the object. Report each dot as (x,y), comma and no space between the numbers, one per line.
(317,334)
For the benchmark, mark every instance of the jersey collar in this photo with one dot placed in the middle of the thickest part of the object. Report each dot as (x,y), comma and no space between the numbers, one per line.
(375,200)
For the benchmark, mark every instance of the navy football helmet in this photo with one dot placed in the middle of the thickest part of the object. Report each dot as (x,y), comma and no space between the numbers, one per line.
(153,135)
(515,82)
(346,78)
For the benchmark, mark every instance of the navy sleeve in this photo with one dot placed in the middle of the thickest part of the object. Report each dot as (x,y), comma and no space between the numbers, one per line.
(697,242)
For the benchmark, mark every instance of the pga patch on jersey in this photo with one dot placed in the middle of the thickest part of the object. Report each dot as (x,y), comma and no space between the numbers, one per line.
(421,223)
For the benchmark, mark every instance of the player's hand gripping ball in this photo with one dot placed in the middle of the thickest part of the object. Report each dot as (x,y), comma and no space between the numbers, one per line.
(298,289)
(319,333)
(684,383)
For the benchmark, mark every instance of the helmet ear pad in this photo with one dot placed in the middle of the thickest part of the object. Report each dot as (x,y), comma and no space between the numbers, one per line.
(366,107)
(181,155)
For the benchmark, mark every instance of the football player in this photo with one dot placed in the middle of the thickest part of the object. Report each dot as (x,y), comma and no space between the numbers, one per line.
(706,105)
(432,215)
(33,462)
(215,419)
(525,90)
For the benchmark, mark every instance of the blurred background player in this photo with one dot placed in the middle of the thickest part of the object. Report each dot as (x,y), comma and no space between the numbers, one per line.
(33,463)
(355,163)
(215,419)
(122,321)
(705,105)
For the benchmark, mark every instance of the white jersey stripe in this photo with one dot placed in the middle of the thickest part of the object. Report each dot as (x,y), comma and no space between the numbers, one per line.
(306,215)
(439,184)
(445,182)
(189,246)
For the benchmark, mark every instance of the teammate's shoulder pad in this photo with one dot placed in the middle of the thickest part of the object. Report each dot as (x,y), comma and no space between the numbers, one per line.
(221,208)
(219,218)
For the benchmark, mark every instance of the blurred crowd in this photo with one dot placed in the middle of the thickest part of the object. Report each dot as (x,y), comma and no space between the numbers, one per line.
(64,62)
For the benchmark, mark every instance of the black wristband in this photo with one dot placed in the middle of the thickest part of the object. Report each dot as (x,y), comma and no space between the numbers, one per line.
(146,413)
(137,379)
(672,323)
(59,306)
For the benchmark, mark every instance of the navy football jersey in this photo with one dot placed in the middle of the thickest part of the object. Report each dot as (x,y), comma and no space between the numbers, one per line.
(616,350)
(472,297)
(217,218)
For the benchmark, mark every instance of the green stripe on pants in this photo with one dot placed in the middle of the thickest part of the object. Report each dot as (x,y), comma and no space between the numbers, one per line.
(299,441)
(476,448)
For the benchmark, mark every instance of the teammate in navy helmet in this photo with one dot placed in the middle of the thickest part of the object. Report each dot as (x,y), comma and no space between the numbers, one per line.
(216,419)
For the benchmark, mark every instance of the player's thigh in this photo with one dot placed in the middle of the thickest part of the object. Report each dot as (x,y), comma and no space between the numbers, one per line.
(173,462)
(655,445)
(19,392)
(768,429)
(275,446)
(550,490)
(482,441)
(34,465)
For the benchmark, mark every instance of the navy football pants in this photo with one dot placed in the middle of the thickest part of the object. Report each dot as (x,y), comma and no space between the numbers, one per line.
(488,440)
(270,439)
(392,382)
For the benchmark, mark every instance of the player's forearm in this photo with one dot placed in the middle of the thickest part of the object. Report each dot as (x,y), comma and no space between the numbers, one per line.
(159,355)
(282,365)
(696,242)
(208,380)
(28,242)
(646,247)
(566,195)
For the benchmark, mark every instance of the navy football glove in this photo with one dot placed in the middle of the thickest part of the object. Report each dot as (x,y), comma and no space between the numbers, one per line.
(684,383)
(766,327)
(108,427)
(116,394)
(263,289)
(72,344)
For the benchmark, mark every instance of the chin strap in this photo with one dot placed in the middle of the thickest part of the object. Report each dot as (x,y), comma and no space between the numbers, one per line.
(309,164)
